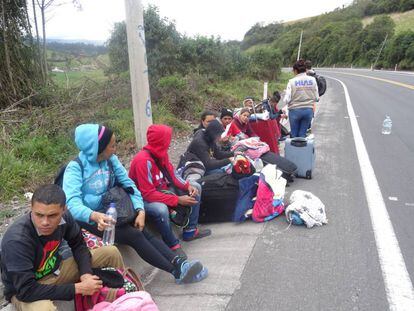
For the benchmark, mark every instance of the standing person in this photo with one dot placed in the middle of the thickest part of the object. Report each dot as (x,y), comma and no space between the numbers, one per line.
(204,147)
(152,172)
(33,272)
(85,187)
(301,94)
(206,117)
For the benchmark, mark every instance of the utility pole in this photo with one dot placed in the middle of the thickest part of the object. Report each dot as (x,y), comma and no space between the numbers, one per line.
(138,69)
(382,46)
(265,90)
(300,44)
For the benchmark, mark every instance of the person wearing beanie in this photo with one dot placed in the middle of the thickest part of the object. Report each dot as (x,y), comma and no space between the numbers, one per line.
(86,184)
(153,173)
(205,147)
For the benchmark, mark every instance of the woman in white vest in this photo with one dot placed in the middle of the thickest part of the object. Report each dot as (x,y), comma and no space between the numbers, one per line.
(301,94)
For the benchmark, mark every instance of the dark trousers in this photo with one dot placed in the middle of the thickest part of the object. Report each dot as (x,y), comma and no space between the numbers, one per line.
(151,249)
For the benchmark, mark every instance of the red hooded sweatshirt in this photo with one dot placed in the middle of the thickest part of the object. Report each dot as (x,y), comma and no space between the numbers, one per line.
(145,172)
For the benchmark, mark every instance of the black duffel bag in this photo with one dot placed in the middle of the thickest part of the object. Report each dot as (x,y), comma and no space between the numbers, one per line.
(218,198)
(286,166)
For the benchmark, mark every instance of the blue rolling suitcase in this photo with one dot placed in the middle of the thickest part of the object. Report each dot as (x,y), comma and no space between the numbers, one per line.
(301,151)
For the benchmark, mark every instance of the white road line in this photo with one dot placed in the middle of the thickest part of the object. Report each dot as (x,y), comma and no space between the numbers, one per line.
(398,286)
(409,204)
(393,198)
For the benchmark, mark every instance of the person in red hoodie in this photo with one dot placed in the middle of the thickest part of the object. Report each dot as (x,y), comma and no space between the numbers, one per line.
(148,170)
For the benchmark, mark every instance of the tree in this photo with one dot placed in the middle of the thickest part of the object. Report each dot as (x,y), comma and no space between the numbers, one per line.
(19,75)
(266,63)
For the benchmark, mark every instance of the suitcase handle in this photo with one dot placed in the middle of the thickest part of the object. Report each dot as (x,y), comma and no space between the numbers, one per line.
(299,142)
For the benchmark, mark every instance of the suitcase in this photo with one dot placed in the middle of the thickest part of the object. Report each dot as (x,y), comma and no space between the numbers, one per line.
(301,151)
(218,198)
(287,167)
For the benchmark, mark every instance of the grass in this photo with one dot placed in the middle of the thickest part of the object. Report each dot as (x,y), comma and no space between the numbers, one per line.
(75,78)
(403,21)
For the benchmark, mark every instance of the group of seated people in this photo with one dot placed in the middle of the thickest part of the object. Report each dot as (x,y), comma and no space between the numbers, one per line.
(40,275)
(33,271)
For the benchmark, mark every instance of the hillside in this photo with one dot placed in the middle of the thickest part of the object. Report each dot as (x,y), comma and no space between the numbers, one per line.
(346,36)
(403,21)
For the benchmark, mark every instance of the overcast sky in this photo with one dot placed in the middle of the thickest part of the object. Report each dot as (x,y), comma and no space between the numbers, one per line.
(229,19)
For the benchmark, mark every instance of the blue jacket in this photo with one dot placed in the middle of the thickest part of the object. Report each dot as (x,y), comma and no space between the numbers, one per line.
(84,193)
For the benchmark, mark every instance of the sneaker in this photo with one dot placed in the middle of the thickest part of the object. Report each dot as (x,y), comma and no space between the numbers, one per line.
(178,251)
(191,272)
(191,235)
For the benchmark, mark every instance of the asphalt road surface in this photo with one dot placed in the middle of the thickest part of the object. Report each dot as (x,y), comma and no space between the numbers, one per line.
(339,266)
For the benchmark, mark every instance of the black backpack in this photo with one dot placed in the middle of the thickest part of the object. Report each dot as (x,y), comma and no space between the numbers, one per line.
(59,176)
(321,81)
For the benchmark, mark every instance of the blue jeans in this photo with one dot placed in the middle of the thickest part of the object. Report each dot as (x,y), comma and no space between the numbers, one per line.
(299,120)
(158,212)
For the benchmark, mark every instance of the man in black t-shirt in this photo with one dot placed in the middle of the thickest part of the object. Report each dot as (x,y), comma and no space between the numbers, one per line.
(33,273)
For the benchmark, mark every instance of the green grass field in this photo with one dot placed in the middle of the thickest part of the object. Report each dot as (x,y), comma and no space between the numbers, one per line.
(403,21)
(76,78)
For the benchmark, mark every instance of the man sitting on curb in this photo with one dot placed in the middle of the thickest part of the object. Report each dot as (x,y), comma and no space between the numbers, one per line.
(153,173)
(33,273)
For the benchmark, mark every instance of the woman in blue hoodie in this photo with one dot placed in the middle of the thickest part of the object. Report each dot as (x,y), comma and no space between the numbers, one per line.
(85,187)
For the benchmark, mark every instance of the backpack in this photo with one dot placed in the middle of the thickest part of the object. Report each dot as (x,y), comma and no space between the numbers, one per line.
(132,283)
(59,176)
(136,301)
(321,81)
(270,194)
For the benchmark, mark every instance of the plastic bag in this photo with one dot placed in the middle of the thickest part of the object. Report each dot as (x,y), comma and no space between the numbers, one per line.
(309,208)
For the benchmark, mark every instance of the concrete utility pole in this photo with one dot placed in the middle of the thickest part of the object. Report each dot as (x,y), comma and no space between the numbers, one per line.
(300,44)
(265,90)
(379,53)
(141,99)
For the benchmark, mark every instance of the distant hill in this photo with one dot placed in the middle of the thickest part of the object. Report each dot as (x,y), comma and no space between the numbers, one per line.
(76,48)
(345,36)
(60,40)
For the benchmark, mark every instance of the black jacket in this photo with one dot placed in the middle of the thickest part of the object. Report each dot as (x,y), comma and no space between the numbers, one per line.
(204,147)
(27,257)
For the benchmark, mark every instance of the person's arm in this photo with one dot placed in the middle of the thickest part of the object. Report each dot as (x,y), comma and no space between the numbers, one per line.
(72,186)
(29,290)
(267,106)
(202,152)
(221,154)
(141,170)
(288,94)
(126,182)
(79,249)
(177,180)
(18,259)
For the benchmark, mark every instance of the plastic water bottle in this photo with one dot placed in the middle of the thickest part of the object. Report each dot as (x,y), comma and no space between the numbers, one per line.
(109,233)
(386,126)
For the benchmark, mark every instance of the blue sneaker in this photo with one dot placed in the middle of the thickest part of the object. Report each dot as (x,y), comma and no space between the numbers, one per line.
(191,272)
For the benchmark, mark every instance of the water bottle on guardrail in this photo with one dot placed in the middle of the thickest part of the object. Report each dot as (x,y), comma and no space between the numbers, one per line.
(386,126)
(109,233)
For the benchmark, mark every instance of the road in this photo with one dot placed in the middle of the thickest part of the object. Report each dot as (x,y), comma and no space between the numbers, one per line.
(337,267)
